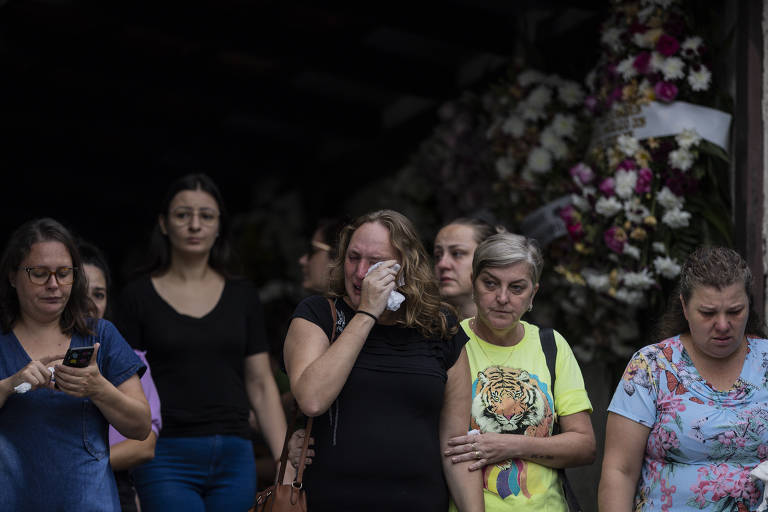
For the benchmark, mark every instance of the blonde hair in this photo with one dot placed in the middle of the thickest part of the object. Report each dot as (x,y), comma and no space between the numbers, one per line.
(423,308)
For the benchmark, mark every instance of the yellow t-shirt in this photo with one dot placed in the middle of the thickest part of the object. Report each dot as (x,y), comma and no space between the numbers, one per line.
(511,393)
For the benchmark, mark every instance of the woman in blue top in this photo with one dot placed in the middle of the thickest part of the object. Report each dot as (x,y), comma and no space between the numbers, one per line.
(689,419)
(54,453)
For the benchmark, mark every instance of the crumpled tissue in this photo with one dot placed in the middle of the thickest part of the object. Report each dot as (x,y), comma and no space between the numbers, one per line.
(761,473)
(395,298)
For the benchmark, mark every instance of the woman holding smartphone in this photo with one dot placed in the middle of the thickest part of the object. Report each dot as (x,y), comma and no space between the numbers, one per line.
(203,331)
(53,440)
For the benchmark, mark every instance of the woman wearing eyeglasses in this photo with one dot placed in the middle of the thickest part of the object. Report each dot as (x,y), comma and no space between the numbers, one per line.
(203,331)
(316,261)
(54,452)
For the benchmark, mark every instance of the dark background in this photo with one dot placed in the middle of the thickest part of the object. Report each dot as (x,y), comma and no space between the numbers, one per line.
(290,106)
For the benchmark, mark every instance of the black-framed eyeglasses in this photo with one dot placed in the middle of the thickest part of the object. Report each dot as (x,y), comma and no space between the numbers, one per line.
(313,246)
(182,216)
(41,275)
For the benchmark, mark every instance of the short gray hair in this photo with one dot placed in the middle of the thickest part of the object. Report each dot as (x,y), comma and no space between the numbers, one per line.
(504,249)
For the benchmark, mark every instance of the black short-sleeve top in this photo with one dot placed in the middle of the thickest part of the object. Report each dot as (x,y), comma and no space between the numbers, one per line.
(377,447)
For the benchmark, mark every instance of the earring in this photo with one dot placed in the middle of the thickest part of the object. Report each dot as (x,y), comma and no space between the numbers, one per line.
(530,307)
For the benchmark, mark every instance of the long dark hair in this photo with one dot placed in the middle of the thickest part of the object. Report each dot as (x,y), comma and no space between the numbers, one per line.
(74,318)
(221,257)
(92,255)
(717,267)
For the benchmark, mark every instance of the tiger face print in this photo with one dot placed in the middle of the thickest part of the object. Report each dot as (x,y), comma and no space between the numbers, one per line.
(508,400)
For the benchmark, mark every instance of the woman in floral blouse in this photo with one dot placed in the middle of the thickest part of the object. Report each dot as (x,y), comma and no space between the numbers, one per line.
(689,419)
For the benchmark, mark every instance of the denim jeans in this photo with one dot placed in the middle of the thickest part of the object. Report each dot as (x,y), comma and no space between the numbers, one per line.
(198,474)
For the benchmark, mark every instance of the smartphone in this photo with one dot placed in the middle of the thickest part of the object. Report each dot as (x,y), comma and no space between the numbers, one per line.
(79,357)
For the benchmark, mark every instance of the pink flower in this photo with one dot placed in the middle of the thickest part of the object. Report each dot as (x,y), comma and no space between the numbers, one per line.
(762,452)
(665,91)
(590,102)
(641,62)
(607,186)
(614,238)
(583,173)
(575,231)
(644,179)
(568,214)
(667,45)
(628,164)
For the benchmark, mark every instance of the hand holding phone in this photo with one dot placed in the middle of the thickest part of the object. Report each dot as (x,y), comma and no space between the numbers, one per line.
(78,357)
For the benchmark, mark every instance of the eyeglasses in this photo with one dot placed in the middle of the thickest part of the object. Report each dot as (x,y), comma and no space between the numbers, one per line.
(41,275)
(183,216)
(313,246)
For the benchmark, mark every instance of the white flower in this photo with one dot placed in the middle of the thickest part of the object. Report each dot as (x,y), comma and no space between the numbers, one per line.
(608,206)
(528,77)
(657,61)
(631,297)
(643,15)
(631,251)
(691,43)
(659,247)
(597,281)
(612,38)
(589,191)
(681,158)
(673,68)
(539,160)
(641,280)
(554,81)
(570,93)
(551,141)
(640,39)
(700,80)
(564,125)
(539,97)
(590,79)
(505,167)
(530,113)
(666,266)
(513,126)
(626,68)
(676,218)
(635,211)
(625,183)
(688,138)
(668,200)
(579,202)
(628,144)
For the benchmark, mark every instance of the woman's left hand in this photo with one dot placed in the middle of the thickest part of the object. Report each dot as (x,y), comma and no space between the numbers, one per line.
(482,449)
(80,382)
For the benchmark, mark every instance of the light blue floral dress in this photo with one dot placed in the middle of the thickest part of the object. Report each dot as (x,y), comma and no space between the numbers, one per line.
(703,442)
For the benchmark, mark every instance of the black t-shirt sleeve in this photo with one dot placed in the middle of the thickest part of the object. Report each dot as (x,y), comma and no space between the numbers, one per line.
(455,343)
(128,315)
(257,333)
(316,309)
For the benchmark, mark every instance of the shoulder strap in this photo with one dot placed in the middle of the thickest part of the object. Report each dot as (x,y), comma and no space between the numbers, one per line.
(335,318)
(548,345)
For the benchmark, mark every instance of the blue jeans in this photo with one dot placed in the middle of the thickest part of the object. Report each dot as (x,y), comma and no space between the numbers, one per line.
(198,474)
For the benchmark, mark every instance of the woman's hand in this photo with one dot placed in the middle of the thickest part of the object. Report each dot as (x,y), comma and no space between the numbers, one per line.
(295,444)
(480,449)
(376,288)
(81,382)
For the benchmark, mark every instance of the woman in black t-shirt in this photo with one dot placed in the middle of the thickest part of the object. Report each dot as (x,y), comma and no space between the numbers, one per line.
(203,331)
(391,389)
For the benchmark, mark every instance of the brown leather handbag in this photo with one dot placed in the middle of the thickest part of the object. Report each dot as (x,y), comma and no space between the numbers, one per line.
(292,497)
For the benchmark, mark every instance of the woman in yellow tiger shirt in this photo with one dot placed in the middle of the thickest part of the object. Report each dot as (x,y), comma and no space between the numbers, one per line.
(514,408)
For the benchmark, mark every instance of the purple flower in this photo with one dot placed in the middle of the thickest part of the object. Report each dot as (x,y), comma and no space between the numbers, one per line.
(614,238)
(628,165)
(667,45)
(641,62)
(607,186)
(568,215)
(583,173)
(665,91)
(644,178)
(575,231)
(591,103)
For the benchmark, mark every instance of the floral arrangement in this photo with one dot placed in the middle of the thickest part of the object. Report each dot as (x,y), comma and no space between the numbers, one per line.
(641,204)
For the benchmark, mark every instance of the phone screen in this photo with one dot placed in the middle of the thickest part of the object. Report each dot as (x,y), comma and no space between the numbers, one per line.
(78,357)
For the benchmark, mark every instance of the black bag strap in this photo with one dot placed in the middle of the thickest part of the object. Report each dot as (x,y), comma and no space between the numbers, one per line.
(548,345)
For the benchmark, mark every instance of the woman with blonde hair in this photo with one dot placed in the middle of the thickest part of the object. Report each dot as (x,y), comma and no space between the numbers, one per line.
(395,374)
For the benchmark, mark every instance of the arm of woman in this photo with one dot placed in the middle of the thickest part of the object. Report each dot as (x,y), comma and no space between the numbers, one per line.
(125,407)
(265,400)
(466,487)
(130,453)
(625,442)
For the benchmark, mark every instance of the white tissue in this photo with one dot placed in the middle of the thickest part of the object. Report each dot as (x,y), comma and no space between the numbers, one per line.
(395,298)
(26,386)
(761,473)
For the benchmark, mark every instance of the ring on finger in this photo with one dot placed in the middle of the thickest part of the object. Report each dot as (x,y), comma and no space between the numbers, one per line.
(477,454)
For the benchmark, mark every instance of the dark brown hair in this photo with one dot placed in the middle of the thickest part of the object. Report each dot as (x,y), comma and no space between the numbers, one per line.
(74,318)
(423,308)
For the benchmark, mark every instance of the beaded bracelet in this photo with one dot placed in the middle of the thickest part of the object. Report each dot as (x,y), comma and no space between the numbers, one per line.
(375,319)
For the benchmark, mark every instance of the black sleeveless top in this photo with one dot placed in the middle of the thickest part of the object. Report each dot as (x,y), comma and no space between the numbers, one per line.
(377,448)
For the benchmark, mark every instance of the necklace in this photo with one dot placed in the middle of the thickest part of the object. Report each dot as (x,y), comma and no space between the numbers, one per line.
(480,345)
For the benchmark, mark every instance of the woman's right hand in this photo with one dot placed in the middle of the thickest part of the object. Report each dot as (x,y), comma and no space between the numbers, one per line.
(377,286)
(36,373)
